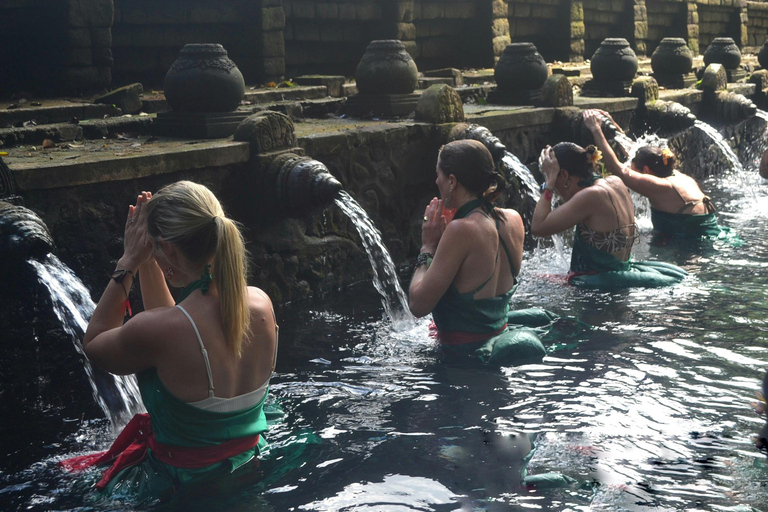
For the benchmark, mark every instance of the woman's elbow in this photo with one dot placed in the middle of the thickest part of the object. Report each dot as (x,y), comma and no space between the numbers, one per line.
(418,309)
(537,231)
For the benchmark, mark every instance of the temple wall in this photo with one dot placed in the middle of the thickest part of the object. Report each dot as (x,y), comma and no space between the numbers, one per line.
(83,46)
(147,36)
(329,36)
(719,18)
(757,28)
(55,45)
(606,18)
(665,19)
(544,23)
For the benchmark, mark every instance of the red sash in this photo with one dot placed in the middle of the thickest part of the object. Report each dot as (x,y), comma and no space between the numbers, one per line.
(131,445)
(461,337)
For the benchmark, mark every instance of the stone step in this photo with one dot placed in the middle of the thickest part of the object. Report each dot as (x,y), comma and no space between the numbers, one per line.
(53,111)
(87,129)
(155,101)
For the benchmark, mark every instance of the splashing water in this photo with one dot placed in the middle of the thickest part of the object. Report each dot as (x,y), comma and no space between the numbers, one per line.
(721,144)
(762,114)
(385,278)
(118,396)
(513,166)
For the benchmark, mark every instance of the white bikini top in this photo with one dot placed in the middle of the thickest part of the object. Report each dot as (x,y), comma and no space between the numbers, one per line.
(236,403)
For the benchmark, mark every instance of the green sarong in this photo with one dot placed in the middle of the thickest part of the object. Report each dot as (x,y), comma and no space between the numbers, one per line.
(705,226)
(592,268)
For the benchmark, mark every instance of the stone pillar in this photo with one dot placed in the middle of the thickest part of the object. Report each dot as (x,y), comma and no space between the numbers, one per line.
(88,56)
(272,27)
(398,24)
(500,27)
(743,39)
(692,19)
(641,28)
(577,48)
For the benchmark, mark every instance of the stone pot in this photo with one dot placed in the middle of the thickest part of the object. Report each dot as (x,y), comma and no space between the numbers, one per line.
(520,67)
(762,55)
(204,79)
(386,68)
(723,50)
(672,57)
(614,61)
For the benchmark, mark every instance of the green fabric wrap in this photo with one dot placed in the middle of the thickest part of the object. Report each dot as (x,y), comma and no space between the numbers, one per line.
(704,226)
(176,423)
(597,269)
(513,346)
(461,312)
(523,340)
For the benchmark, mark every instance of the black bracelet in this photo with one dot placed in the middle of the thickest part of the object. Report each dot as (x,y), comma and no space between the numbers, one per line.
(425,258)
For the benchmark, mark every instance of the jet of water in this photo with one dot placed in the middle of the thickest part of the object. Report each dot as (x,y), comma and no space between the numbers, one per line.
(721,144)
(385,278)
(118,396)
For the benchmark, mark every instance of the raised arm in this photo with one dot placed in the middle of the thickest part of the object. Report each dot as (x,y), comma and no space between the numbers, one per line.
(645,184)
(593,120)
(547,222)
(137,250)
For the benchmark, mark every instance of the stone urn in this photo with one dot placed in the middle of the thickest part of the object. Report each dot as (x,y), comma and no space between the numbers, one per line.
(762,55)
(204,79)
(723,50)
(386,68)
(672,57)
(520,67)
(614,61)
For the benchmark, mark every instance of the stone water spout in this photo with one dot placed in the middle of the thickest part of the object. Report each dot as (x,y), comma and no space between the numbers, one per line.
(302,185)
(664,118)
(282,181)
(719,105)
(23,235)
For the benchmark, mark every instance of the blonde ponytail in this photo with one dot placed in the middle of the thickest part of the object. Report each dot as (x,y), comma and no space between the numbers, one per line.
(230,272)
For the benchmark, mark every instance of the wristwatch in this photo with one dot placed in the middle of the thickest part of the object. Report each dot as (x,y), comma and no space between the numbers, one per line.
(119,274)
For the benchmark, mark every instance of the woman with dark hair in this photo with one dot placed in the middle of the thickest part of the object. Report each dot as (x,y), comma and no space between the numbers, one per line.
(678,206)
(466,271)
(604,216)
(203,362)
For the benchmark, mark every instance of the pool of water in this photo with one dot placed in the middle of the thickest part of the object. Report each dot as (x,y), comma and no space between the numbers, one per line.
(649,411)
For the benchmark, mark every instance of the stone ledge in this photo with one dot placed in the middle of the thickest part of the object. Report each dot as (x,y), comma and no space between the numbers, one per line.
(51,170)
(62,113)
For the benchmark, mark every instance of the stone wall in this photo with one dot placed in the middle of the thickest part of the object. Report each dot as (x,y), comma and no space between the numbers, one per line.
(55,46)
(147,36)
(665,19)
(454,33)
(606,18)
(757,28)
(329,36)
(720,18)
(545,23)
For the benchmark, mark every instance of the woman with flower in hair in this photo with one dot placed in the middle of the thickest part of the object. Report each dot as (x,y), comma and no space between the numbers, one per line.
(678,206)
(203,360)
(604,218)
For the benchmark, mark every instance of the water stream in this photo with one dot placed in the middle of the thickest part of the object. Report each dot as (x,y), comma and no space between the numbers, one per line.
(385,278)
(118,396)
(721,144)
